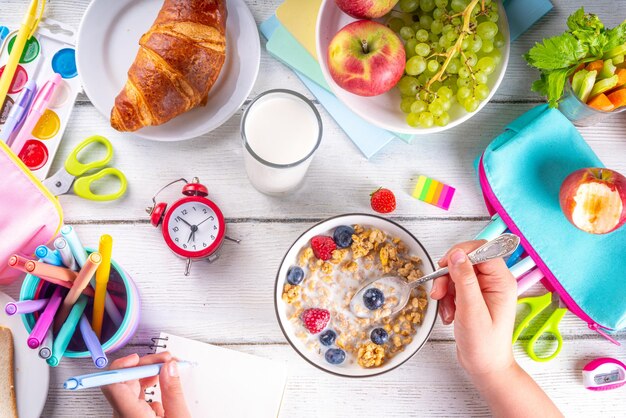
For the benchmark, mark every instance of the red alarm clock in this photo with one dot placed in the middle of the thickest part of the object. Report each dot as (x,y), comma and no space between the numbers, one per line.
(193,227)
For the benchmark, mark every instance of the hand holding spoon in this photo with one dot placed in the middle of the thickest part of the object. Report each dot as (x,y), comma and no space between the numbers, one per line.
(501,246)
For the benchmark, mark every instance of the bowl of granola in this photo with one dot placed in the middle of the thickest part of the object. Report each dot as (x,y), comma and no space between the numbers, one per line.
(321,272)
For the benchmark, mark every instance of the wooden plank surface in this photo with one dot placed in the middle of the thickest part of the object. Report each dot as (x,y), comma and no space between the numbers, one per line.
(230,302)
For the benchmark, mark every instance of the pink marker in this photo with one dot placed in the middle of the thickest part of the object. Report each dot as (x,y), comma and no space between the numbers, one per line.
(40,105)
(38,334)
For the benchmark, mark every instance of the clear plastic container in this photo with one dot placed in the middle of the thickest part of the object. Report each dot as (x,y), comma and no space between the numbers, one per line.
(580,113)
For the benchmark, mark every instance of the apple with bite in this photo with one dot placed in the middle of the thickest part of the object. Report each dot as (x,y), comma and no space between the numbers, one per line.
(594,200)
(366,9)
(366,58)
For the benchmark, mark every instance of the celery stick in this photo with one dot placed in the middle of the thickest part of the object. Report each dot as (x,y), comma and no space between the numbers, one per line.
(618,59)
(586,86)
(604,85)
(607,70)
(578,78)
(618,50)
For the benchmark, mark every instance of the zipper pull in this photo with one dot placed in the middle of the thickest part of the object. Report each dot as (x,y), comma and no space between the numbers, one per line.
(595,327)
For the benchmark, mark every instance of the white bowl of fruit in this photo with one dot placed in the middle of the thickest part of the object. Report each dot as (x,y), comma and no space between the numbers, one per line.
(321,272)
(413,67)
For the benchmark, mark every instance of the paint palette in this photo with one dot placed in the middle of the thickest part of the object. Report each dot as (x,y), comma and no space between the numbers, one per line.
(51,50)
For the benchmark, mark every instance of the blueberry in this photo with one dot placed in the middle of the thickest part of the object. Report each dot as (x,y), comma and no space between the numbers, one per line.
(379,336)
(335,355)
(343,236)
(295,275)
(328,337)
(373,298)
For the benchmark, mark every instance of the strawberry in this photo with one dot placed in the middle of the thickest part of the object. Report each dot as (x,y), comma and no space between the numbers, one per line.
(383,201)
(323,247)
(315,320)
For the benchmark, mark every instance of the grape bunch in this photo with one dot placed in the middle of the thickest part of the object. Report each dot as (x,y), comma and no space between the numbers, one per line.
(452,47)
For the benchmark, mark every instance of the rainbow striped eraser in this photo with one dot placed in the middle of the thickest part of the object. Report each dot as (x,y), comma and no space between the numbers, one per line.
(431,191)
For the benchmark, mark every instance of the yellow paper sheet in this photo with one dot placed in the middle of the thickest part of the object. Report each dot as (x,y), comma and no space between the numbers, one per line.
(300,18)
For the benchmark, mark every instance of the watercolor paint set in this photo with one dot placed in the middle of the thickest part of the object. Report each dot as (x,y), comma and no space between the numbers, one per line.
(41,96)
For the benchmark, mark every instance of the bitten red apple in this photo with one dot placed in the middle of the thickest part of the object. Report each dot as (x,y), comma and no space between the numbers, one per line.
(594,200)
(366,9)
(366,58)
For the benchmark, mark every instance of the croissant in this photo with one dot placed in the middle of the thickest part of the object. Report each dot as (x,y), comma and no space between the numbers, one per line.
(178,62)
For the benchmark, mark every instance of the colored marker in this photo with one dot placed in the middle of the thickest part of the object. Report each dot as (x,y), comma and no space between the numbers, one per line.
(64,335)
(495,228)
(527,281)
(110,377)
(44,270)
(18,262)
(102,279)
(4,32)
(82,281)
(523,266)
(25,306)
(45,350)
(48,256)
(93,345)
(42,325)
(40,105)
(66,254)
(18,111)
(515,257)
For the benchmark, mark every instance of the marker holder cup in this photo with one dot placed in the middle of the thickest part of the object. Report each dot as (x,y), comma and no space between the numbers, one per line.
(125,295)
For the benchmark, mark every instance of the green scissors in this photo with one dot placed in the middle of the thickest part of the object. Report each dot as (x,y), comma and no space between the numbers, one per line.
(73,170)
(537,305)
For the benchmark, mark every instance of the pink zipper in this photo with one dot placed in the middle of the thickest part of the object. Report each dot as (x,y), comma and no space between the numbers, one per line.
(494,206)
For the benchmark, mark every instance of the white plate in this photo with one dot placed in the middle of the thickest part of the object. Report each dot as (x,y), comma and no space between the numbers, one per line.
(32,374)
(323,228)
(108,41)
(384,110)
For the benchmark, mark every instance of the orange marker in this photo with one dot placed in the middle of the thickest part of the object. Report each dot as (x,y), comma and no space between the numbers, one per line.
(39,269)
(82,281)
(18,262)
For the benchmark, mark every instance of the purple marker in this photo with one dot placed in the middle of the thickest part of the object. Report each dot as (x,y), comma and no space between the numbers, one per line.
(18,111)
(25,306)
(38,334)
(92,343)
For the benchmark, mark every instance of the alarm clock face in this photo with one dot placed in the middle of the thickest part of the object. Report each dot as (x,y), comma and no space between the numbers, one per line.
(194,227)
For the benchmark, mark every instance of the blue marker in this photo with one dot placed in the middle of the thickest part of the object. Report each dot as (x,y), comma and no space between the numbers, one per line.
(514,258)
(523,266)
(66,332)
(4,32)
(48,256)
(18,111)
(495,228)
(92,343)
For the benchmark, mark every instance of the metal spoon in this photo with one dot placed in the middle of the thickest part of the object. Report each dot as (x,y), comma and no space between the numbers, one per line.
(501,246)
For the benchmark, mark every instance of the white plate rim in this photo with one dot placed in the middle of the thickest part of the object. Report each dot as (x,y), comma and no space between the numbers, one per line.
(254,63)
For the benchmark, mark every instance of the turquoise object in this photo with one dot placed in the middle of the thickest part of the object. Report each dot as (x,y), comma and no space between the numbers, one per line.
(64,63)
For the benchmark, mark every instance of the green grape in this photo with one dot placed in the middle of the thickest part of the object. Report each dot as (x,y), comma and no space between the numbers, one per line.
(498,41)
(433,66)
(423,78)
(487,30)
(463,93)
(481,77)
(415,65)
(464,72)
(405,104)
(409,48)
(451,83)
(463,82)
(441,4)
(444,42)
(421,35)
(436,108)
(481,91)
(487,46)
(409,6)
(433,38)
(486,64)
(395,24)
(426,96)
(465,44)
(422,49)
(459,5)
(496,55)
(445,92)
(436,27)
(451,36)
(453,66)
(426,120)
(418,106)
(436,86)
(426,22)
(447,104)
(408,86)
(413,119)
(456,21)
(493,17)
(477,43)
(406,33)
(443,119)
(471,104)
(427,5)
(471,59)
(447,28)
(438,14)
(416,26)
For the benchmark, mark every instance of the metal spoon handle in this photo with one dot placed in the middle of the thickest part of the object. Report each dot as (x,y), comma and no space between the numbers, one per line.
(501,246)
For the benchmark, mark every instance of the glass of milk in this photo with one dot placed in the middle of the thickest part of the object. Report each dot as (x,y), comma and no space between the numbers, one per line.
(281,131)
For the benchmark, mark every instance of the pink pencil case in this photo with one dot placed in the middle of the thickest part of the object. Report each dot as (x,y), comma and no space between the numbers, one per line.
(29,214)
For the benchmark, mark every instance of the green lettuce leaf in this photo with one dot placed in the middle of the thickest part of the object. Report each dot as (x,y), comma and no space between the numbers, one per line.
(557,52)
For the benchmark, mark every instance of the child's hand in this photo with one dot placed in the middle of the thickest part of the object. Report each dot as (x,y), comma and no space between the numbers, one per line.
(127,399)
(481,300)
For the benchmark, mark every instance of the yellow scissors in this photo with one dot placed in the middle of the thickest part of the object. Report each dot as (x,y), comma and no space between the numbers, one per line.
(73,170)
(537,305)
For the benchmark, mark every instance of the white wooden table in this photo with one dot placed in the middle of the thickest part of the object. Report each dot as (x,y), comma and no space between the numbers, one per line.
(230,303)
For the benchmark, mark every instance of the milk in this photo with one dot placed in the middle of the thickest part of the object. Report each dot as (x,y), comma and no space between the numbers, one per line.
(281,131)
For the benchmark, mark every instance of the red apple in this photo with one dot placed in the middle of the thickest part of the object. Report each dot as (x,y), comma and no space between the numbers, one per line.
(594,200)
(366,58)
(366,9)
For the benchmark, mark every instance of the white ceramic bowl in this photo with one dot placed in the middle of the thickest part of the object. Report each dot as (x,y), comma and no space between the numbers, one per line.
(384,110)
(354,370)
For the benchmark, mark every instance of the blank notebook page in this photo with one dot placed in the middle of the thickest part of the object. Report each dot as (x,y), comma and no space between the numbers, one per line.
(225,383)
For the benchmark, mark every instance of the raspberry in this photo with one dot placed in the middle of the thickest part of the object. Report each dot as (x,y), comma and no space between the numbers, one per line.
(323,247)
(315,320)
(383,201)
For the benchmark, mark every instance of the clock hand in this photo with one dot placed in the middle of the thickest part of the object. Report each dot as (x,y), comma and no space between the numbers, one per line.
(190,236)
(187,223)
(205,220)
